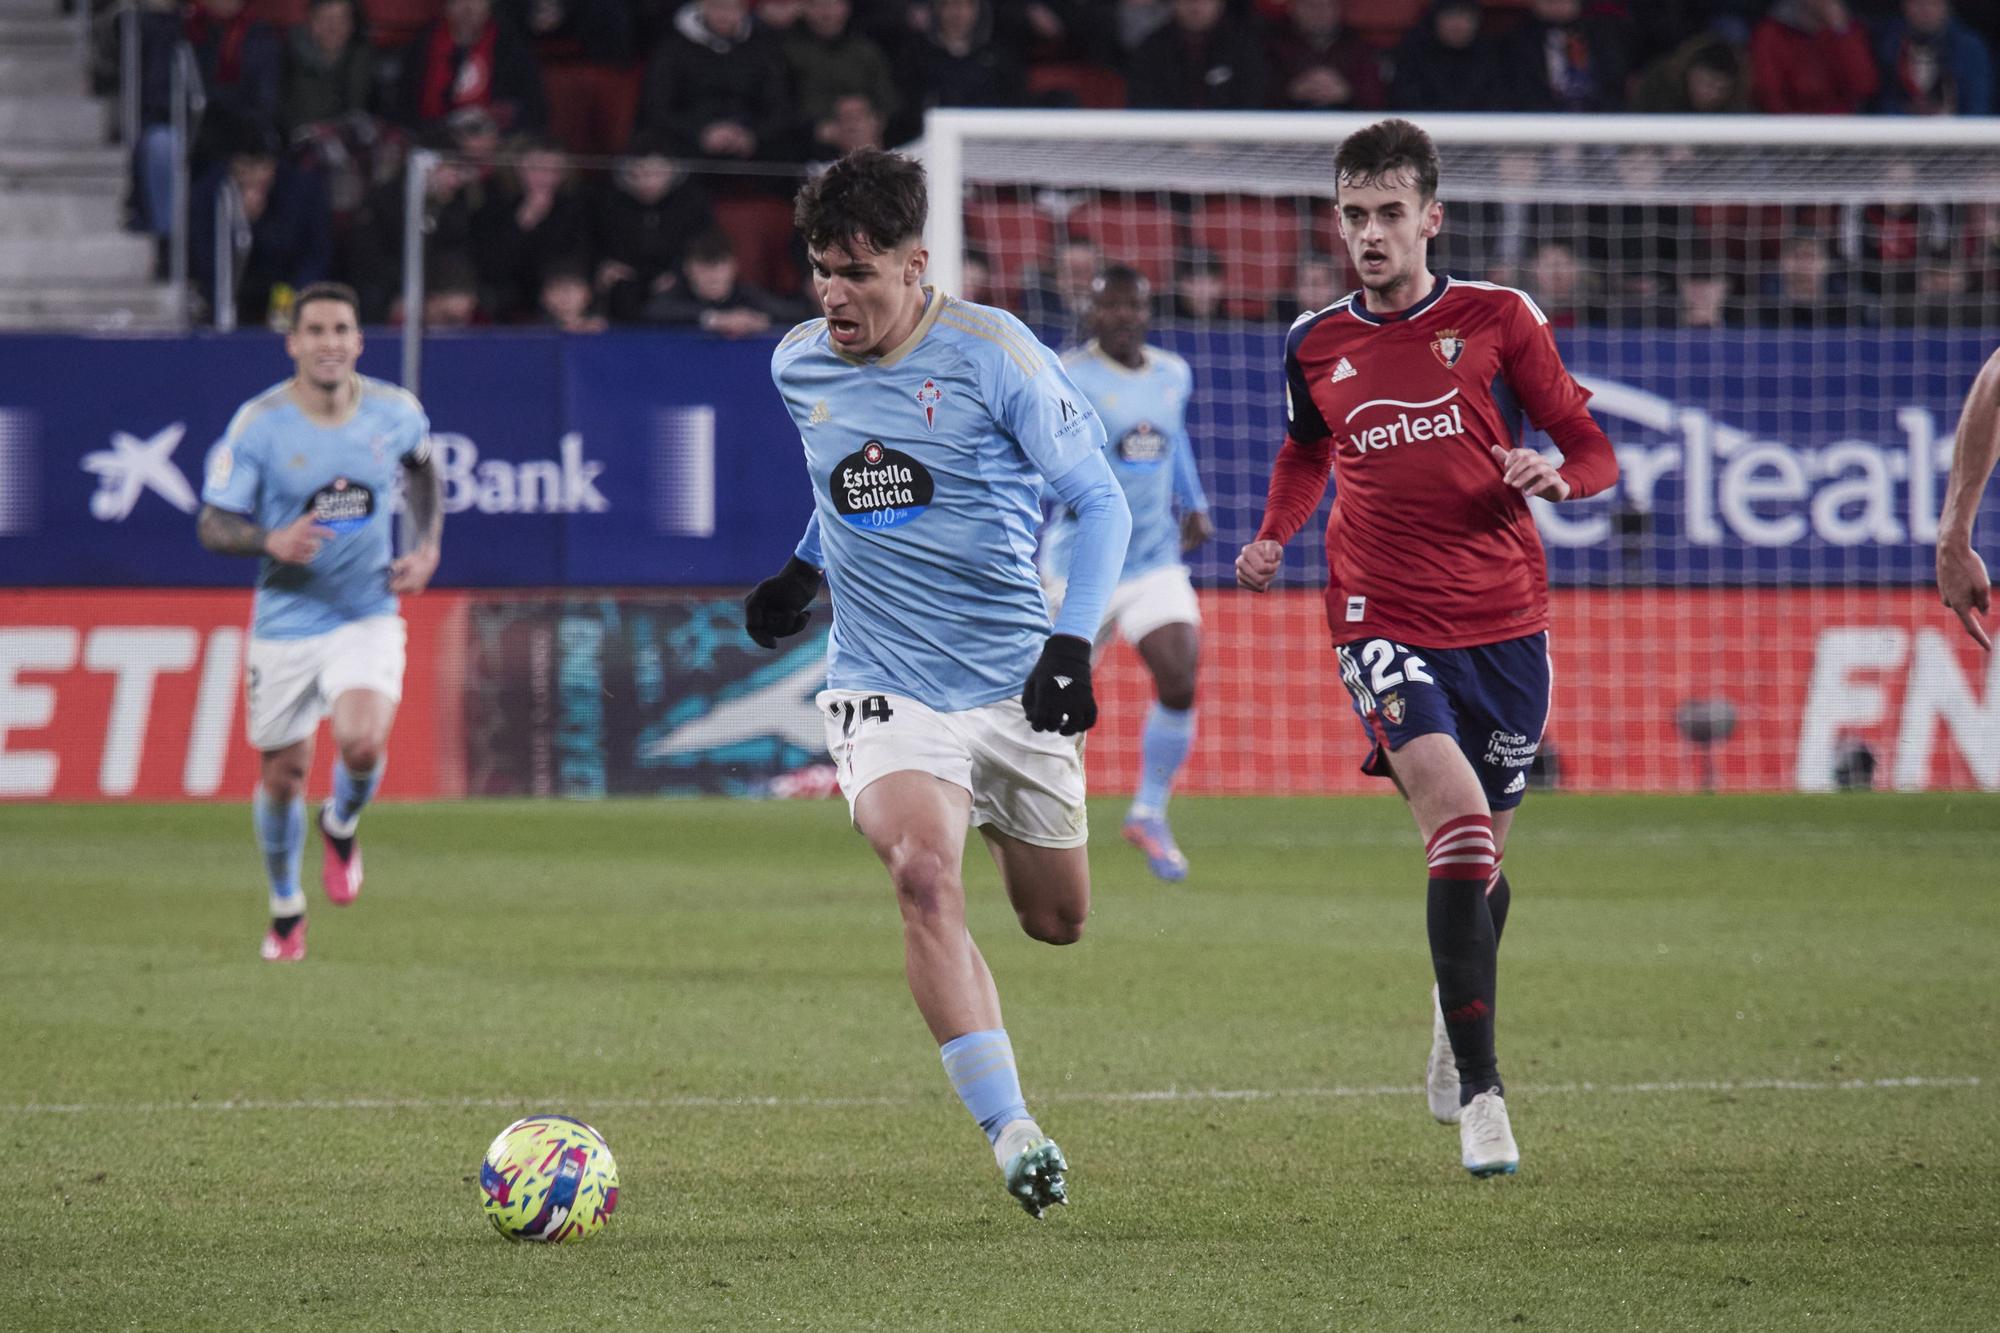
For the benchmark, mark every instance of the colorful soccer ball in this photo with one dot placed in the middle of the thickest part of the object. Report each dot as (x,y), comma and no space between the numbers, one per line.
(549,1178)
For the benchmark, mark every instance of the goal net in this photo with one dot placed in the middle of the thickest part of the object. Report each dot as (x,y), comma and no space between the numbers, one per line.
(1778,319)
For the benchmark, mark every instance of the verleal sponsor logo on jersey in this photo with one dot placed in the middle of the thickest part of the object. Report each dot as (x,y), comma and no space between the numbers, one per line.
(879,487)
(1438,419)
(1142,446)
(343,506)
(1449,347)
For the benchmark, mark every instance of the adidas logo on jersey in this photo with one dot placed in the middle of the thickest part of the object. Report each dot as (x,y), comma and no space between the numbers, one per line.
(1520,783)
(1344,370)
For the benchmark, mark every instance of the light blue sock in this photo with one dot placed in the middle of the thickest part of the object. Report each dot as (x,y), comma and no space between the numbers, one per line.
(352,791)
(1163,748)
(281,833)
(981,1068)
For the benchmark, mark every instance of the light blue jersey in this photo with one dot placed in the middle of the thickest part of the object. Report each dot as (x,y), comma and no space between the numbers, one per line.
(1145,419)
(274,464)
(927,468)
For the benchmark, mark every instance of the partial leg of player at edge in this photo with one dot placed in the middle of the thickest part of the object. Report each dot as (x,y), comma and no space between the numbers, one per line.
(1437,585)
(1141,393)
(930,427)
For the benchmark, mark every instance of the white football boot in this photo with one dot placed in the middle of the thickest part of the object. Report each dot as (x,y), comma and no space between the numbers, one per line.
(1485,1140)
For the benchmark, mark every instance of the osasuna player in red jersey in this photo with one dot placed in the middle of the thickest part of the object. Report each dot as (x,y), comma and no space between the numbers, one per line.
(1411,392)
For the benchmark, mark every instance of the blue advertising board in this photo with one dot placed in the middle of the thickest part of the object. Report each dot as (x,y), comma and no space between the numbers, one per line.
(656,458)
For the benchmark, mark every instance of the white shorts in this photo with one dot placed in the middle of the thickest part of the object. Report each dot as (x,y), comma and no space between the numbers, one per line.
(1142,603)
(1025,783)
(290,684)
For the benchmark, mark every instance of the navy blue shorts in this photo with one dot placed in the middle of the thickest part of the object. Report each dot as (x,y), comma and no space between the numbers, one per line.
(1493,700)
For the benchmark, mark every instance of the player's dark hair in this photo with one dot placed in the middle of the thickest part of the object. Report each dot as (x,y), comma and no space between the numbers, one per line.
(869,199)
(1386,152)
(1120,275)
(325,291)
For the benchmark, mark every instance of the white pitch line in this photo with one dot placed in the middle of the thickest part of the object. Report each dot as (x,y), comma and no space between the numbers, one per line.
(1164,1095)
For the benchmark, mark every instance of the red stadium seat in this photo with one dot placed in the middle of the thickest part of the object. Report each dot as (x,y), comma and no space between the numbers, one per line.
(1138,232)
(1257,239)
(760,232)
(1382,22)
(1016,236)
(591,106)
(393,23)
(277,13)
(1086,85)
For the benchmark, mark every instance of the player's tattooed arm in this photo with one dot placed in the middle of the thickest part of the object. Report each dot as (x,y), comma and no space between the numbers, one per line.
(229,534)
(423,495)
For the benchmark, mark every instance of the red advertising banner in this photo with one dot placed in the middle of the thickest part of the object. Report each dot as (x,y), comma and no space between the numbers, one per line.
(1787,686)
(139,696)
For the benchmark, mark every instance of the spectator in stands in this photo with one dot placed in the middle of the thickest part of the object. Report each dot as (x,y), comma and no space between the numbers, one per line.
(1933,65)
(1810,57)
(1639,246)
(1561,286)
(451,292)
(1201,60)
(1321,280)
(1318,65)
(1704,301)
(329,70)
(585,49)
(853,122)
(453,197)
(1447,63)
(1138,21)
(536,219)
(278,230)
(1560,60)
(468,58)
(975,278)
(242,65)
(712,295)
(1701,76)
(644,224)
(779,17)
(956,62)
(1806,292)
(716,84)
(1200,288)
(1886,241)
(567,300)
(829,60)
(1055,297)
(597,31)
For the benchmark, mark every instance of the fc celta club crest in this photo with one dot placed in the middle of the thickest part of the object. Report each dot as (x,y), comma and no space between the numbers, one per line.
(928,398)
(1449,347)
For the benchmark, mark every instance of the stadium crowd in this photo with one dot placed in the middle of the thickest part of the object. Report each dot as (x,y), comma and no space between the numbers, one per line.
(631,161)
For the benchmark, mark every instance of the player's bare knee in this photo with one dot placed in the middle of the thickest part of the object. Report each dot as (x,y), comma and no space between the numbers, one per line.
(926,882)
(1176,689)
(361,753)
(1053,925)
(284,780)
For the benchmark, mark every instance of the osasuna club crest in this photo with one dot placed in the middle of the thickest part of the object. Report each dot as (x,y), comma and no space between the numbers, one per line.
(928,398)
(1392,708)
(1449,347)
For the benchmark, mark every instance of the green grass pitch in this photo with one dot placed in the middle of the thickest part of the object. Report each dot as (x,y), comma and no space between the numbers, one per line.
(1700,1003)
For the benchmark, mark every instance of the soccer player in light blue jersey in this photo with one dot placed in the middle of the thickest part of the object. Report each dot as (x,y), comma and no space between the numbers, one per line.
(1141,393)
(930,426)
(303,479)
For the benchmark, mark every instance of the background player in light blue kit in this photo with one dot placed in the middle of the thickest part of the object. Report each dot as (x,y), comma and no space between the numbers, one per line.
(1141,393)
(303,478)
(929,426)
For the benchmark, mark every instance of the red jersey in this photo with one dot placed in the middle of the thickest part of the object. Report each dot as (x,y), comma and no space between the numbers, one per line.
(1427,544)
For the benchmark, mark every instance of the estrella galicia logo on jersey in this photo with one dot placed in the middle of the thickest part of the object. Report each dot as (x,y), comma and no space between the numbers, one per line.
(343,506)
(928,398)
(1449,347)
(1142,446)
(879,488)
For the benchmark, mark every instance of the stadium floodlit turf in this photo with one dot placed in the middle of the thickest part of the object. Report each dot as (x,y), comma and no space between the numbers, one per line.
(1749,1041)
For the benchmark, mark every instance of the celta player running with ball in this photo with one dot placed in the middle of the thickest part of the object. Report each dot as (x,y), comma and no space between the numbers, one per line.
(302,479)
(1410,392)
(930,425)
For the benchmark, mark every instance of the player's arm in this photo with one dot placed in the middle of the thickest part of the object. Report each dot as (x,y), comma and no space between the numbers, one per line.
(1962,581)
(423,499)
(229,497)
(1557,405)
(777,607)
(1298,482)
(1189,497)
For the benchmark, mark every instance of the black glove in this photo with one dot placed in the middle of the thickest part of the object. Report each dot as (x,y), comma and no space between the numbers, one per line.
(1057,696)
(776,607)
